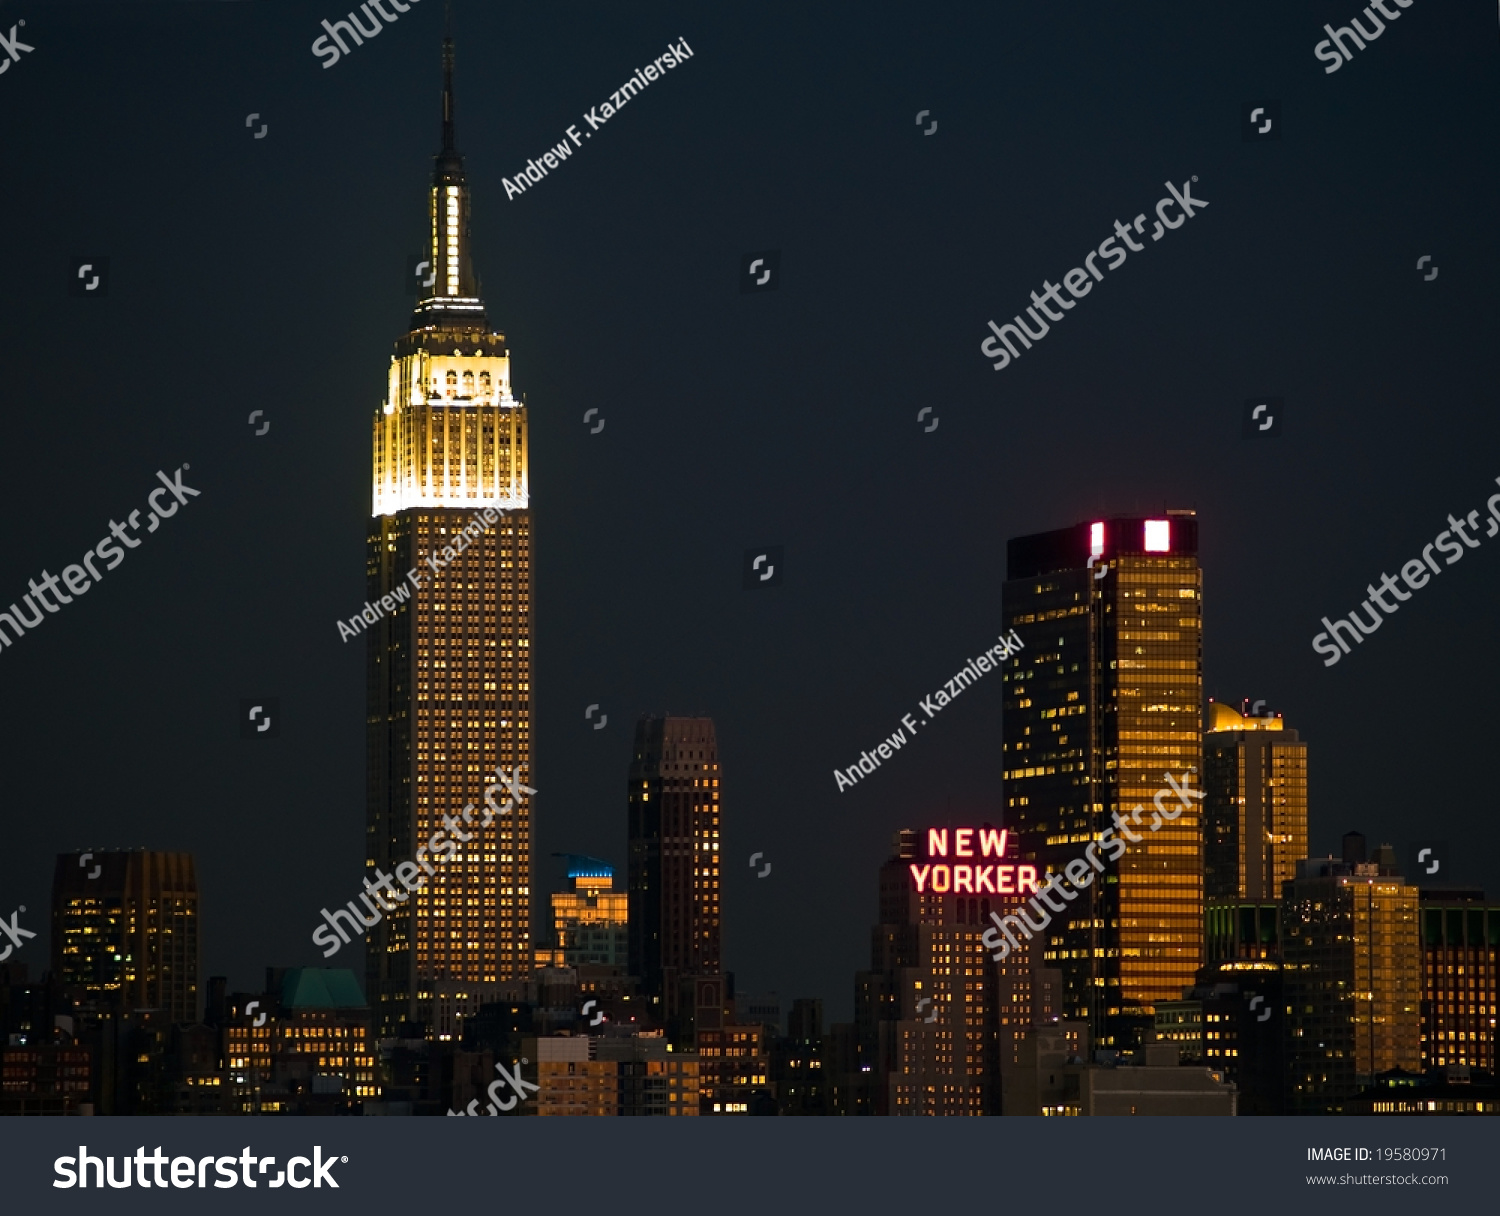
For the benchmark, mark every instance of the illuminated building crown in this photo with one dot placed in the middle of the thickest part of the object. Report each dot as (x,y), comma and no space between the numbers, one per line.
(450,433)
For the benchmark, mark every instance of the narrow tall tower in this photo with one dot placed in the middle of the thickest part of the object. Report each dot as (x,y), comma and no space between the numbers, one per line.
(673,800)
(1104,702)
(936,1018)
(449,689)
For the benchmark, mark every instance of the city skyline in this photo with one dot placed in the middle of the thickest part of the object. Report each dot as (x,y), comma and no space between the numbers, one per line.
(732,420)
(1223,726)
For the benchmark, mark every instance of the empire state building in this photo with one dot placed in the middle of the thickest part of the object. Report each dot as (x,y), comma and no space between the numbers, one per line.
(449,664)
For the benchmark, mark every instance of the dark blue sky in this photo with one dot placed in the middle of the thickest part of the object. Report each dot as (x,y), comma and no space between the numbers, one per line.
(266,274)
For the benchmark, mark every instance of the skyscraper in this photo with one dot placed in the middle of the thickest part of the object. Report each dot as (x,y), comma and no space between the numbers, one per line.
(1353,979)
(935,1012)
(449,655)
(1460,979)
(673,868)
(1103,702)
(1255,812)
(125,932)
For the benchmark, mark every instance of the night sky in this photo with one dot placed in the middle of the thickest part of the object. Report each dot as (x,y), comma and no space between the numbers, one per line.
(267,274)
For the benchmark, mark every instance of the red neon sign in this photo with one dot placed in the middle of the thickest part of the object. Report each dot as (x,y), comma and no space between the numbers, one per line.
(941,876)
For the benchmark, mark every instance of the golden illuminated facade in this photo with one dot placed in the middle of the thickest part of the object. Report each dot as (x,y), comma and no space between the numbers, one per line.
(1255,815)
(1460,981)
(570,1083)
(734,1065)
(653,1079)
(612,1076)
(1353,980)
(449,688)
(313,1038)
(1104,702)
(125,931)
(591,922)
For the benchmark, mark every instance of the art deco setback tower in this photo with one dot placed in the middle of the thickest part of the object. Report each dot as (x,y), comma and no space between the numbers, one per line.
(449,668)
(937,1018)
(673,799)
(1104,700)
(1255,815)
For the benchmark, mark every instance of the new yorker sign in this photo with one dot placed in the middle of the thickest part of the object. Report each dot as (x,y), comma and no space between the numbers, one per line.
(956,861)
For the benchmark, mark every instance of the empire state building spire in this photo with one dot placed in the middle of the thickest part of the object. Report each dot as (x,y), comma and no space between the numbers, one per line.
(450,432)
(448,146)
(453,295)
(448,557)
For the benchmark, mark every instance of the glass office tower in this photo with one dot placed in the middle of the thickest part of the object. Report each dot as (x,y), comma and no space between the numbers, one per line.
(1104,702)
